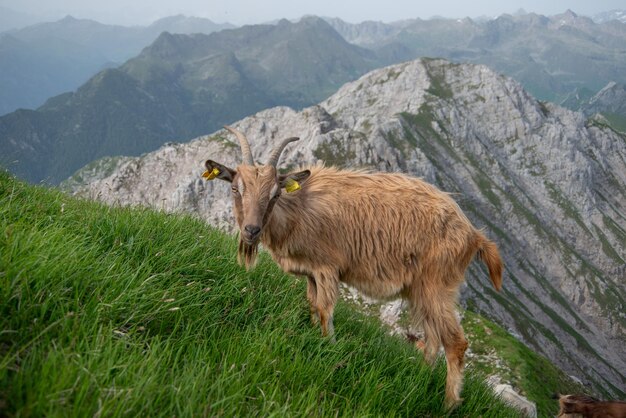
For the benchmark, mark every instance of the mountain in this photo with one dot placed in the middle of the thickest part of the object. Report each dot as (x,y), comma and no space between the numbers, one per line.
(32,72)
(611,99)
(46,59)
(179,87)
(608,105)
(186,25)
(117,43)
(368,32)
(551,56)
(547,185)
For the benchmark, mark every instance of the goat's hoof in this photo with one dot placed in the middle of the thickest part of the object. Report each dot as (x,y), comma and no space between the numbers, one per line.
(315,318)
(452,404)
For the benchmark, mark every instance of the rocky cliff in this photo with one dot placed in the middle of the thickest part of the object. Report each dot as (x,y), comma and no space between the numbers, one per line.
(546,184)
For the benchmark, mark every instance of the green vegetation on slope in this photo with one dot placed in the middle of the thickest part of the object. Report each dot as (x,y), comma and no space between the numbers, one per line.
(109,311)
(616,121)
(533,375)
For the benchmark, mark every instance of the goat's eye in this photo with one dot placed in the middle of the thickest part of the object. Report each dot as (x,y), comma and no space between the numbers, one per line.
(235,190)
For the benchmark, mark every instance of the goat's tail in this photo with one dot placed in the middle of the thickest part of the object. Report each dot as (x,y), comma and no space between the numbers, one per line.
(489,254)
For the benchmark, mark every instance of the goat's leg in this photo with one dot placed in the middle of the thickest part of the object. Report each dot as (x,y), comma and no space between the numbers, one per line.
(434,308)
(432,337)
(443,318)
(327,286)
(311,295)
(455,345)
(422,315)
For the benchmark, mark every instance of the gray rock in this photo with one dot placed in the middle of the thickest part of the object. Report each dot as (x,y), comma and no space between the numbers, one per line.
(516,400)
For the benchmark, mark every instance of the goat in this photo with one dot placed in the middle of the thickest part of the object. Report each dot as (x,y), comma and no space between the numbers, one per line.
(589,407)
(386,234)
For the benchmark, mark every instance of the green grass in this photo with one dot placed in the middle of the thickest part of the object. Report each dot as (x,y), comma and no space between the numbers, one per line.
(129,312)
(532,374)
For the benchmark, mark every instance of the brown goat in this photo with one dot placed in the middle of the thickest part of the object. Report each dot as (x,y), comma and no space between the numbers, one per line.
(388,235)
(588,407)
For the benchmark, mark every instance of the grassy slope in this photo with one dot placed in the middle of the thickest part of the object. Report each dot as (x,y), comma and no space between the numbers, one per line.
(530,374)
(126,312)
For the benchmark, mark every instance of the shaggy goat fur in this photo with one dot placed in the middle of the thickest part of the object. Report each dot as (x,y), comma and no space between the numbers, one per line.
(588,407)
(388,235)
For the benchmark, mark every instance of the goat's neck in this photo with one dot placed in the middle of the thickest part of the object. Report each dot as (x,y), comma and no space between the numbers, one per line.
(287,213)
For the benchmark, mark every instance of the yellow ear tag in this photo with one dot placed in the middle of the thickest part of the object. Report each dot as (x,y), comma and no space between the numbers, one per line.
(291,186)
(210,175)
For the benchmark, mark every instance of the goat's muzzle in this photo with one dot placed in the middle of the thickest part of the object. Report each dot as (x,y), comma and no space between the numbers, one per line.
(250,234)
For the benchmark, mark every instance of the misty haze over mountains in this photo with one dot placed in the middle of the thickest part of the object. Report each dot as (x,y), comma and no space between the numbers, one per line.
(46,59)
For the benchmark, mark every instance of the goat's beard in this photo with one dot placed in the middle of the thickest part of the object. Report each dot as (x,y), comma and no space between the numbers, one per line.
(247,254)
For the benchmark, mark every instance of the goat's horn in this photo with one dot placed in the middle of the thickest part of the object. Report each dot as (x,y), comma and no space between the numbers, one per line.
(245,146)
(273,160)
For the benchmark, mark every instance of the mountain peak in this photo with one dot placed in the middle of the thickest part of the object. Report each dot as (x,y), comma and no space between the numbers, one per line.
(312,19)
(570,13)
(166,46)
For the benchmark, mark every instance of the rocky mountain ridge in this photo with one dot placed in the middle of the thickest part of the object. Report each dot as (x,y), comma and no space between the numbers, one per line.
(547,185)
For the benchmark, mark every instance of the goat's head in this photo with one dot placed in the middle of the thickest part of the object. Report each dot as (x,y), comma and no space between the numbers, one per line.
(255,190)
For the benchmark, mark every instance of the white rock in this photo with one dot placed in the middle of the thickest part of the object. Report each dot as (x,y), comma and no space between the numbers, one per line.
(508,394)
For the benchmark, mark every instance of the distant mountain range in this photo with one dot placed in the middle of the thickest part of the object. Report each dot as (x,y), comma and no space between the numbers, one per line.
(46,59)
(178,88)
(550,56)
(184,85)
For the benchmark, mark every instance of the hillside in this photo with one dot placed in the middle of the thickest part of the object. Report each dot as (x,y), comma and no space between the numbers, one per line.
(546,185)
(178,88)
(610,104)
(120,312)
(47,59)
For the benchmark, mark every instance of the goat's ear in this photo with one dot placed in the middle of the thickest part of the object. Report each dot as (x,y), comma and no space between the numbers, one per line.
(217,170)
(291,182)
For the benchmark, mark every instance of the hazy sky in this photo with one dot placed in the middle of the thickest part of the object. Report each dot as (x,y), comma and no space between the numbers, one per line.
(242,12)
